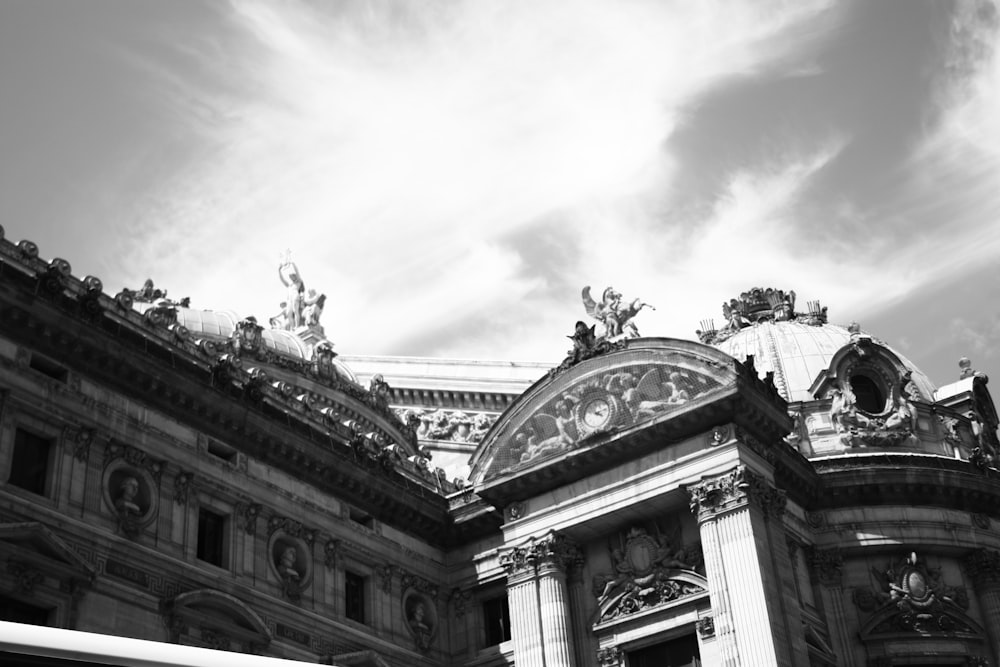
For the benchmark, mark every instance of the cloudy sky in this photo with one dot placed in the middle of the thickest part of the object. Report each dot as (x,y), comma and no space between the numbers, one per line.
(452,173)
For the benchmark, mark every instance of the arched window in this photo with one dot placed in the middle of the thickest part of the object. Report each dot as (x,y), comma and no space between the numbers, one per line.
(867,394)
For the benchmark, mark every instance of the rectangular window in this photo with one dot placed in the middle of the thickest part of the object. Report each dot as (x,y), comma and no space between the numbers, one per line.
(496,617)
(211,537)
(29,464)
(354,596)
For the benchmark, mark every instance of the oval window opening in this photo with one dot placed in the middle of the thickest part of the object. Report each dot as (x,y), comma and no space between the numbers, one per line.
(867,395)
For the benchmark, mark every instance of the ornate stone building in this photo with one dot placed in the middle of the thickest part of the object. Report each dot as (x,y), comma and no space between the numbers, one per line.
(785,491)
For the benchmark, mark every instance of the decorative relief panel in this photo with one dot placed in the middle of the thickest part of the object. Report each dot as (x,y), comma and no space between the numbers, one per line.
(912,598)
(601,403)
(650,570)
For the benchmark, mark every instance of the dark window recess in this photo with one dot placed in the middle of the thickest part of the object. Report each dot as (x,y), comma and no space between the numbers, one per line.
(211,537)
(15,611)
(496,616)
(29,464)
(47,367)
(867,395)
(354,597)
(680,652)
(359,517)
(222,451)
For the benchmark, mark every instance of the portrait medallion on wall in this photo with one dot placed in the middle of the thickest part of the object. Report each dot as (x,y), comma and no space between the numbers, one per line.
(130,494)
(421,618)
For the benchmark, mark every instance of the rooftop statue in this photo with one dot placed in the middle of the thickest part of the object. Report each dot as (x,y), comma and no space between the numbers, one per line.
(617,319)
(300,308)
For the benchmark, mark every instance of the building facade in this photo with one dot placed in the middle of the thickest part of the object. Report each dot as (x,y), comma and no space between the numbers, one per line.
(782,491)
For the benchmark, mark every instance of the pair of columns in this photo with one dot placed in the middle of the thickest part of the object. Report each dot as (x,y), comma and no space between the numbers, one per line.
(542,620)
(756,617)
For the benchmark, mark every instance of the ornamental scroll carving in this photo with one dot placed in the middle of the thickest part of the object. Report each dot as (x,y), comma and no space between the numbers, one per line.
(552,550)
(649,570)
(736,489)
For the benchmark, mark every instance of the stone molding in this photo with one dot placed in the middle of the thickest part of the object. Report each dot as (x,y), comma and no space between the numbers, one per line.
(736,489)
(552,551)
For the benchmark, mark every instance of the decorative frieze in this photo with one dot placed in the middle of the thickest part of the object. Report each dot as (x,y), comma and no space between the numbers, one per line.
(733,490)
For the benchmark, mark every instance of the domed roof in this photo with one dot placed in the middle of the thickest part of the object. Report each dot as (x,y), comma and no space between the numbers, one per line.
(797,352)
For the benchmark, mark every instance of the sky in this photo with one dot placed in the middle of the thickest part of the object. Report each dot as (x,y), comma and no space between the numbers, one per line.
(452,173)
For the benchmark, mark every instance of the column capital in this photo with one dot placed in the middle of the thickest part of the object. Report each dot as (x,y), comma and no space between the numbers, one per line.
(827,565)
(738,488)
(983,565)
(551,551)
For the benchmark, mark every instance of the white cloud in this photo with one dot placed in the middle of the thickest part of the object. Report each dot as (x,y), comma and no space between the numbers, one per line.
(392,147)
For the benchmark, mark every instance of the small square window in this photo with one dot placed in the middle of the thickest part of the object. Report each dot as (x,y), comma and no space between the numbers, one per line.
(361,518)
(212,537)
(496,618)
(29,464)
(219,450)
(354,596)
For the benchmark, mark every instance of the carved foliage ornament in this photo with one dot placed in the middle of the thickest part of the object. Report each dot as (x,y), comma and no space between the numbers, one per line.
(736,489)
(551,550)
(610,656)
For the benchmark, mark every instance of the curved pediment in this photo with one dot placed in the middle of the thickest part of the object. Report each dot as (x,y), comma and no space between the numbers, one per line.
(647,382)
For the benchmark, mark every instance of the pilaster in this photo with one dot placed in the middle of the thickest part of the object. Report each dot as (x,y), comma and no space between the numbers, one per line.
(826,567)
(542,627)
(735,512)
(983,566)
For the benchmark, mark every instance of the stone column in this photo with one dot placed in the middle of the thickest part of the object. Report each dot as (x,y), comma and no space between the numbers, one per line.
(734,511)
(583,653)
(983,566)
(539,609)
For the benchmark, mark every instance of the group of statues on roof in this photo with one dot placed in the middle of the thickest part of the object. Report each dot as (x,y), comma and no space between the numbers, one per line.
(301,307)
(612,313)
